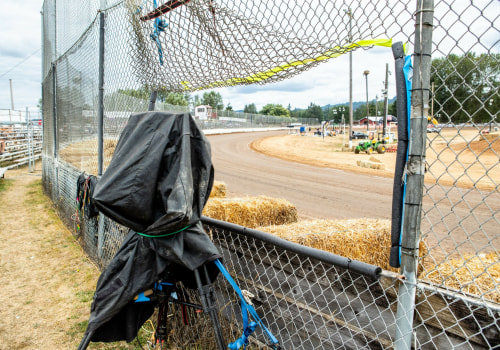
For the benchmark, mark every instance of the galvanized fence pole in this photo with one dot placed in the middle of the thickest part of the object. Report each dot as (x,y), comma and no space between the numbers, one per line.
(100,122)
(415,170)
(54,109)
(152,100)
(100,110)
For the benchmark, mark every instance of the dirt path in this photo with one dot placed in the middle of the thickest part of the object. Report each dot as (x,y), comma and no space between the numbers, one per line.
(47,281)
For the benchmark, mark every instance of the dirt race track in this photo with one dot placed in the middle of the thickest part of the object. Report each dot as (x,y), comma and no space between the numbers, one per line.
(322,191)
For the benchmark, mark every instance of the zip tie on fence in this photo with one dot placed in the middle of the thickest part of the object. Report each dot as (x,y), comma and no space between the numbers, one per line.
(421,54)
(248,328)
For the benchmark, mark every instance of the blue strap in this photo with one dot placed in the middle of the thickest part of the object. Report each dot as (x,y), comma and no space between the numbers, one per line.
(247,328)
(159,26)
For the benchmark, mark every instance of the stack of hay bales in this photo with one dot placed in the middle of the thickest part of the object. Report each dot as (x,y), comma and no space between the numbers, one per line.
(366,240)
(372,163)
(219,190)
(251,212)
(474,274)
(83,154)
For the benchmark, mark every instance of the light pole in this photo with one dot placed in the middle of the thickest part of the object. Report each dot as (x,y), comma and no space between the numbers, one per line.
(491,103)
(365,73)
(349,13)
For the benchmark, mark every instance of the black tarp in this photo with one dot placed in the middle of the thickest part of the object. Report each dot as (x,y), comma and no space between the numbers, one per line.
(157,184)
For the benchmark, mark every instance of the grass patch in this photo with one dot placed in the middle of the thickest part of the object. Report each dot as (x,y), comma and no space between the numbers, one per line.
(5,184)
(78,329)
(34,194)
(85,295)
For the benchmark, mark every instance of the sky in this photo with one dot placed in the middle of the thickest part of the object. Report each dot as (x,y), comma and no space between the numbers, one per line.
(20,61)
(20,53)
(328,83)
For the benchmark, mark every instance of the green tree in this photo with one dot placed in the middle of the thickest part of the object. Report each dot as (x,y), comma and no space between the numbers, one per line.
(275,109)
(298,113)
(196,100)
(229,107)
(250,109)
(360,112)
(393,110)
(314,111)
(466,87)
(143,93)
(213,99)
(175,99)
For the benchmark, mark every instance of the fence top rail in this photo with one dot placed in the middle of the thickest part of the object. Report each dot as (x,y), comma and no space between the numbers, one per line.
(329,258)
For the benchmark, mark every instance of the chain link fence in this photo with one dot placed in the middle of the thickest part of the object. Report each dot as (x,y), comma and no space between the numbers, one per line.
(308,298)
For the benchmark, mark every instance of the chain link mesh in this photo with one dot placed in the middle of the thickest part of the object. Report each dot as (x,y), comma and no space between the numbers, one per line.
(305,302)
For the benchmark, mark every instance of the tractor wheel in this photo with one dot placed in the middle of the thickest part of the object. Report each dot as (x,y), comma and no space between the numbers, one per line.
(356,150)
(380,149)
(369,150)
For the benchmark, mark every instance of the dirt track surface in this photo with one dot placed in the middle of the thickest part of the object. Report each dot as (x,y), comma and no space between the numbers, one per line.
(317,192)
(327,193)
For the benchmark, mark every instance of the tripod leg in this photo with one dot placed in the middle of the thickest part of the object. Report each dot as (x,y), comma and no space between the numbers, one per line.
(207,301)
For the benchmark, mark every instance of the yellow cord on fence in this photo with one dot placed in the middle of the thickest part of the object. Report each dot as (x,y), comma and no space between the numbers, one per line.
(261,76)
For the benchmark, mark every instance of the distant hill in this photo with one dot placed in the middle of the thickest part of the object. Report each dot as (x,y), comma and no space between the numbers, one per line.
(355,104)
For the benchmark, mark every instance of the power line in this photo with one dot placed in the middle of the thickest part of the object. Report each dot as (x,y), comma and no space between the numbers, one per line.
(24,60)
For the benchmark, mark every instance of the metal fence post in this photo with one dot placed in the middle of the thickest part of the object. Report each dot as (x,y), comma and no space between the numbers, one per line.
(152,100)
(415,169)
(100,107)
(54,109)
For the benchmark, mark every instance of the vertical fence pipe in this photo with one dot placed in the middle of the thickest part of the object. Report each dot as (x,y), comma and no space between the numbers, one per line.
(152,100)
(415,173)
(100,125)
(386,102)
(54,110)
(100,110)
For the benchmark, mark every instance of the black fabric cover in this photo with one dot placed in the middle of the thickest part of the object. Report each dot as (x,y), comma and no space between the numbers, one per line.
(157,183)
(160,176)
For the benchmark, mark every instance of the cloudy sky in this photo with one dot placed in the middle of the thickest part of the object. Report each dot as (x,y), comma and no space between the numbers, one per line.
(20,53)
(20,61)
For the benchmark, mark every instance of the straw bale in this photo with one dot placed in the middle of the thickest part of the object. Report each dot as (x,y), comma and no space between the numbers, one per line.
(219,189)
(251,211)
(83,154)
(367,240)
(474,274)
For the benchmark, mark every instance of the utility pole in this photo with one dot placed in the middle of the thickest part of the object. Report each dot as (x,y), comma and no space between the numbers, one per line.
(365,73)
(11,95)
(386,101)
(349,13)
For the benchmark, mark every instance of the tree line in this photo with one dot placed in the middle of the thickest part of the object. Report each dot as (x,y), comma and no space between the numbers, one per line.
(465,89)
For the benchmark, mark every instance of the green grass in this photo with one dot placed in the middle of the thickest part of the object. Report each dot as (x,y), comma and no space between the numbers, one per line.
(85,296)
(5,184)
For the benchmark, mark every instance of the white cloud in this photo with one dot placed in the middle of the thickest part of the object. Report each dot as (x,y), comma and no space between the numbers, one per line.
(327,83)
(21,37)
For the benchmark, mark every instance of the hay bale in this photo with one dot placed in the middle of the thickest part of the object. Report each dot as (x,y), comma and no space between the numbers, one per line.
(370,164)
(251,211)
(83,154)
(474,274)
(219,190)
(367,240)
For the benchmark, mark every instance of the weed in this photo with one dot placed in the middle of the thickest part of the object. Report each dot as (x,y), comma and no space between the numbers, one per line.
(5,184)
(85,295)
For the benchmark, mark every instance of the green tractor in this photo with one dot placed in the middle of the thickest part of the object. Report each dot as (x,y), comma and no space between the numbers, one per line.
(370,146)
